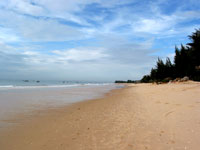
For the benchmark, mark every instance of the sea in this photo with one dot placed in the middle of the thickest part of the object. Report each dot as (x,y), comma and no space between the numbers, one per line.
(17,84)
(26,96)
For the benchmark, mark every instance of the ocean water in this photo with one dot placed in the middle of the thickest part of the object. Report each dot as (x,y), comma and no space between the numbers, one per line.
(18,96)
(17,84)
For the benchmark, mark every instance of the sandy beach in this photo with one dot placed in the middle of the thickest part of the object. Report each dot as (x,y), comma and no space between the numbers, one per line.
(138,117)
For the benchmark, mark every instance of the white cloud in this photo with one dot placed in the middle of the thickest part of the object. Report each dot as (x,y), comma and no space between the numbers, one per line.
(61,8)
(4,48)
(51,30)
(91,63)
(153,26)
(80,55)
(165,24)
(31,29)
(8,35)
(31,53)
(44,30)
(24,6)
(130,51)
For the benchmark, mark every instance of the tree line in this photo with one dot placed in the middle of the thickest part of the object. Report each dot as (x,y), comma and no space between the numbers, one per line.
(186,63)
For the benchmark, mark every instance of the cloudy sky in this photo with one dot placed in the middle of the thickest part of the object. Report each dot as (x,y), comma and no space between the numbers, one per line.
(91,39)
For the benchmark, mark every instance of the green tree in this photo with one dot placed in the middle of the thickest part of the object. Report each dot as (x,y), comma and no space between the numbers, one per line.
(186,62)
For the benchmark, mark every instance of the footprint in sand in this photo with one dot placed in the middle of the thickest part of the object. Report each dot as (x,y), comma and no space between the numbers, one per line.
(161,132)
(172,141)
(130,145)
(168,113)
(178,104)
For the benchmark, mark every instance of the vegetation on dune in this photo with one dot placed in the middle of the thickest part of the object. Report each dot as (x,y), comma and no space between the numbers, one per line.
(186,63)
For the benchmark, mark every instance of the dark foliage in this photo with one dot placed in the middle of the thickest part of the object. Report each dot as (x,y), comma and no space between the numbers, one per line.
(146,79)
(128,81)
(120,81)
(186,63)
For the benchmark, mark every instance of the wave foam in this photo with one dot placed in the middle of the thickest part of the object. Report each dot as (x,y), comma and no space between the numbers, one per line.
(52,86)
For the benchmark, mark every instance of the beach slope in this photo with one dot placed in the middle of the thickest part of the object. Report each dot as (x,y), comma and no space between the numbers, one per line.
(140,117)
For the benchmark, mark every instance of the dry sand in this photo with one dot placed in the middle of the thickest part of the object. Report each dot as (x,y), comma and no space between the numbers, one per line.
(139,117)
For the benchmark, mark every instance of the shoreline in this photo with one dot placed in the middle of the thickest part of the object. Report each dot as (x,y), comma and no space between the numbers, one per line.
(140,116)
(14,102)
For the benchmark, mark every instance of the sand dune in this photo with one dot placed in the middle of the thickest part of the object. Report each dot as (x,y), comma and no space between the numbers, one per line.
(140,117)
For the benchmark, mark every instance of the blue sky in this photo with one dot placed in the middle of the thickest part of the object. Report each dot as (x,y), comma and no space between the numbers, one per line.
(91,39)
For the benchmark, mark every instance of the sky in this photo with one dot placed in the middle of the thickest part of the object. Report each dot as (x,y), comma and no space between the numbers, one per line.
(92,40)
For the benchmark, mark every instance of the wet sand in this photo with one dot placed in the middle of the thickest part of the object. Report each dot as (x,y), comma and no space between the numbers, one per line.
(140,117)
(25,100)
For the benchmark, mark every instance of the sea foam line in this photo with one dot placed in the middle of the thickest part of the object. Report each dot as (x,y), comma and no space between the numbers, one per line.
(51,86)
